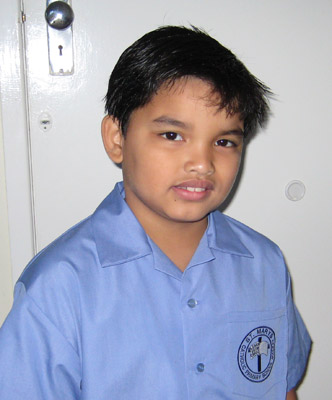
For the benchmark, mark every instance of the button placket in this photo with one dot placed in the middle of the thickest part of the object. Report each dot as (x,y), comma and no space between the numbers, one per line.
(192,324)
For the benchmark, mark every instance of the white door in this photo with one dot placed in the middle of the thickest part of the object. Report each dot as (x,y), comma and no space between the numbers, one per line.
(286,44)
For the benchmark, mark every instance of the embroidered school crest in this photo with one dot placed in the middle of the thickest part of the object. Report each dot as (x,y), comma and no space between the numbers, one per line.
(256,354)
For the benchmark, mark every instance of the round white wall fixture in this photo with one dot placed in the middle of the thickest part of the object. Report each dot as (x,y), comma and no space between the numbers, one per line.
(295,190)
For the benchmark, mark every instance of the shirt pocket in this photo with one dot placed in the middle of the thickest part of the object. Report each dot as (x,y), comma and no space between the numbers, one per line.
(256,354)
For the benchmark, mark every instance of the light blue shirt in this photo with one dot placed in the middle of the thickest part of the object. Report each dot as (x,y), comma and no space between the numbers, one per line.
(103,314)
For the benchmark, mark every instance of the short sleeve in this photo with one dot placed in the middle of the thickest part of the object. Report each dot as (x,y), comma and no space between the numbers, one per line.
(299,343)
(36,360)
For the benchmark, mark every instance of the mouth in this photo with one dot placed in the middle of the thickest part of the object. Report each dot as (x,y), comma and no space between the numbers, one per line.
(195,185)
(193,189)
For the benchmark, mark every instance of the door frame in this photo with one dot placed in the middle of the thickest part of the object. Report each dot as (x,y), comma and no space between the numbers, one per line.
(16,135)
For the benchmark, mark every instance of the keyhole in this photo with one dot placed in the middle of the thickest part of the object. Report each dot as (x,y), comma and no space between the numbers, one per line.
(60,49)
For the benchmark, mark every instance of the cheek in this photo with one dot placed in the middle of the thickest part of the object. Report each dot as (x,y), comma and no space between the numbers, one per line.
(234,173)
(160,163)
(141,168)
(237,166)
(229,167)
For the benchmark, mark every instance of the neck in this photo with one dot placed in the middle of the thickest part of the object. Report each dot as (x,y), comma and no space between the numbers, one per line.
(178,241)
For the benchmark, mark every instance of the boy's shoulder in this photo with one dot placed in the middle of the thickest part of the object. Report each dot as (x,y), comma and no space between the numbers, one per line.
(61,259)
(97,241)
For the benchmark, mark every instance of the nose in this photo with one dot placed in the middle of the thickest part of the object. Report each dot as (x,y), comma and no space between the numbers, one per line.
(200,162)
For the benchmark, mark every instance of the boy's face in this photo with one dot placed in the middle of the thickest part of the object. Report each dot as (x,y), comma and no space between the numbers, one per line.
(180,156)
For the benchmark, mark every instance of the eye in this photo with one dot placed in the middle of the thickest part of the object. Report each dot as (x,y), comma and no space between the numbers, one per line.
(225,143)
(171,136)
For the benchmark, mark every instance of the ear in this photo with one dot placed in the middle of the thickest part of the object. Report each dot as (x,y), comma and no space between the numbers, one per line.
(112,138)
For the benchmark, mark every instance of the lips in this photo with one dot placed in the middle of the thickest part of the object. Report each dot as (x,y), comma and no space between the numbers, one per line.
(195,185)
(193,190)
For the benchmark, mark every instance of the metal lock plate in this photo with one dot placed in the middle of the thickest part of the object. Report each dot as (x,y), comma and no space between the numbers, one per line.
(59,17)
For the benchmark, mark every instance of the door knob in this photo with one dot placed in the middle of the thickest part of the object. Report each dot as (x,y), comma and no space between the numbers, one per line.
(59,15)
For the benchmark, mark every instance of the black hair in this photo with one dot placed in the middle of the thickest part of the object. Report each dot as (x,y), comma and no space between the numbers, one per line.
(170,53)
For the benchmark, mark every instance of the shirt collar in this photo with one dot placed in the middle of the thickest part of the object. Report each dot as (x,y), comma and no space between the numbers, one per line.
(223,237)
(118,235)
(120,238)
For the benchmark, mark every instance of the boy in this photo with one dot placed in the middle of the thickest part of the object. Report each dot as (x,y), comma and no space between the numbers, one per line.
(157,295)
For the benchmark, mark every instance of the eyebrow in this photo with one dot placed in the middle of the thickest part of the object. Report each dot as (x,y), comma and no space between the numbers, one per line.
(166,120)
(238,132)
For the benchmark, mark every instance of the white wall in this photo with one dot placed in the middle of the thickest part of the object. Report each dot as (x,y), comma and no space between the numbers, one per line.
(6,287)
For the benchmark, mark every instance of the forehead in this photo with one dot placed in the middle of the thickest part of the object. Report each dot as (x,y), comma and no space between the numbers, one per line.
(189,101)
(182,96)
(190,87)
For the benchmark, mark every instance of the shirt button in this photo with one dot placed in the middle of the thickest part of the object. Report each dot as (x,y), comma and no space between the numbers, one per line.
(192,303)
(200,367)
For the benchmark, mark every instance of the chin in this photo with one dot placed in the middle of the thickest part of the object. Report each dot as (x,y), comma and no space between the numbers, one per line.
(189,218)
